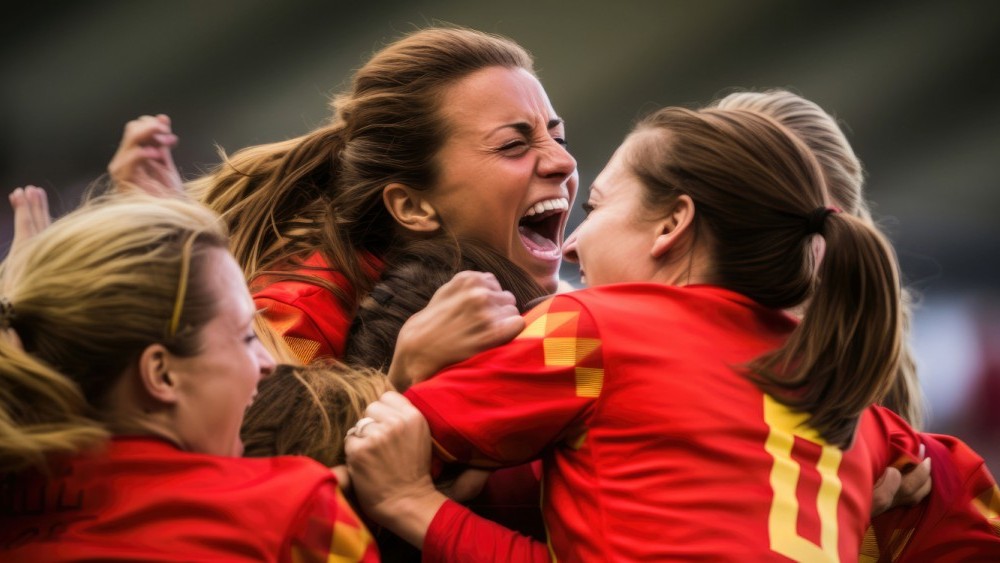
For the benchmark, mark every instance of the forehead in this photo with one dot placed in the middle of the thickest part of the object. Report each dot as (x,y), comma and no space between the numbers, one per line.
(228,286)
(615,173)
(495,96)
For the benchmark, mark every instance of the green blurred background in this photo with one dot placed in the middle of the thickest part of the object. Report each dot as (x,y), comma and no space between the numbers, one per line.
(917,85)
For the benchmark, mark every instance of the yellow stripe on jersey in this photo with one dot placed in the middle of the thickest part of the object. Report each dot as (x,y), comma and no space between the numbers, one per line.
(351,540)
(548,323)
(988,504)
(785,425)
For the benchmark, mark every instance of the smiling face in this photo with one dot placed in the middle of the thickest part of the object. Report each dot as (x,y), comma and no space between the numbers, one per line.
(505,176)
(615,242)
(215,387)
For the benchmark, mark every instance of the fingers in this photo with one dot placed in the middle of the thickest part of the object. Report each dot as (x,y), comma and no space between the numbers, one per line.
(885,490)
(916,484)
(143,158)
(31,213)
(343,476)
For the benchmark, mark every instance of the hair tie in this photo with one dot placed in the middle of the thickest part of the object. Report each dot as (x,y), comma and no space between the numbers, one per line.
(7,315)
(817,219)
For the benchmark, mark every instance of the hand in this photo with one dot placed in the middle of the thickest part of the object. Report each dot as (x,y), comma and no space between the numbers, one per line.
(144,160)
(388,460)
(31,214)
(467,315)
(902,488)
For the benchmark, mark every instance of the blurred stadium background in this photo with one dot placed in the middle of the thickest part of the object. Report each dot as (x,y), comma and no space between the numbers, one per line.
(917,84)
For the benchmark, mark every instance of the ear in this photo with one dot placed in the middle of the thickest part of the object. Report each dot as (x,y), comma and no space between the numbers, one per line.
(411,208)
(154,373)
(675,227)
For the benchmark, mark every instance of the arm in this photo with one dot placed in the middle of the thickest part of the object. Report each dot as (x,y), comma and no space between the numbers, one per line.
(467,315)
(508,405)
(389,463)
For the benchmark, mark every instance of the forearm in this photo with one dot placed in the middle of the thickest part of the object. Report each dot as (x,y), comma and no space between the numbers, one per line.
(457,534)
(410,517)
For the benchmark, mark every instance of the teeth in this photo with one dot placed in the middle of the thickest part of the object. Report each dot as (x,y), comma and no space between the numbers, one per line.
(559,203)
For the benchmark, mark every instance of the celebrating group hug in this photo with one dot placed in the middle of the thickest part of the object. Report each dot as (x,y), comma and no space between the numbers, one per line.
(354,345)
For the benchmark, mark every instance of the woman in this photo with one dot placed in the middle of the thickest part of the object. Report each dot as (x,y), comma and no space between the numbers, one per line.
(128,358)
(446,130)
(649,400)
(844,177)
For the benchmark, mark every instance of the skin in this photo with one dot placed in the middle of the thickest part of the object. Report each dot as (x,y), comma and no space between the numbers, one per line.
(659,245)
(506,153)
(388,461)
(215,387)
(31,214)
(198,402)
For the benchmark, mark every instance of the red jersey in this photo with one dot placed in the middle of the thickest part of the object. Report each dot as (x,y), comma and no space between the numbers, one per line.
(311,319)
(144,499)
(958,521)
(655,444)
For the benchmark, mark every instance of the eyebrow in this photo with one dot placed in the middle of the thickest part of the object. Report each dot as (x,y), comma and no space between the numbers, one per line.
(525,128)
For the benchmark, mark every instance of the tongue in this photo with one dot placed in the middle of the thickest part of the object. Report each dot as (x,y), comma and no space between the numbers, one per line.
(534,240)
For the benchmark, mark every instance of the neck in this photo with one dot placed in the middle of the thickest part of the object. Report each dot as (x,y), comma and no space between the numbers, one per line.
(127,411)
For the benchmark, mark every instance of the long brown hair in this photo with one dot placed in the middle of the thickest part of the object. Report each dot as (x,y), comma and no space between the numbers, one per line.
(759,196)
(306,410)
(412,274)
(323,191)
(89,294)
(845,179)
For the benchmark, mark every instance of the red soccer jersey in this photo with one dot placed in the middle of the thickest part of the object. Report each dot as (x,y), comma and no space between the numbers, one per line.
(958,521)
(311,319)
(655,444)
(143,499)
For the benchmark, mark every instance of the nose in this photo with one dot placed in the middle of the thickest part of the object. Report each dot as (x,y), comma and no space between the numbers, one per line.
(569,248)
(556,162)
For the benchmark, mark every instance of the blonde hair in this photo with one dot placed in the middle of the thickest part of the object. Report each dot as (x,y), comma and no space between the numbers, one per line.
(307,410)
(89,294)
(757,189)
(845,179)
(323,191)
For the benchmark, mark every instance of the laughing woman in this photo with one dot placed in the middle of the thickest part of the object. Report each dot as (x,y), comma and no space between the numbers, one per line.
(445,131)
(674,404)
(127,360)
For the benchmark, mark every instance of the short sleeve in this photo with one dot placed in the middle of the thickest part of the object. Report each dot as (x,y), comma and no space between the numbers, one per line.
(505,406)
(327,529)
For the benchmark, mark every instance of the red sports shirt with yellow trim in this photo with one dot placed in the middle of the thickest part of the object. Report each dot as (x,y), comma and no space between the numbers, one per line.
(311,319)
(656,446)
(144,499)
(958,521)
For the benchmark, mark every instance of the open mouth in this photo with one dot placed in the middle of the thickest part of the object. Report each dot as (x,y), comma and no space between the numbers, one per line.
(539,227)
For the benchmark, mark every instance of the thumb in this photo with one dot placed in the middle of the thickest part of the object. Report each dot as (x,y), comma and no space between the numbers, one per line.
(885,490)
(343,477)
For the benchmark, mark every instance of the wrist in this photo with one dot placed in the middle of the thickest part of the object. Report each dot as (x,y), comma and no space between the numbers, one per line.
(410,516)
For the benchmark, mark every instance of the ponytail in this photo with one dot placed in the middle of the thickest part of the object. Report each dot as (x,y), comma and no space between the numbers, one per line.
(273,199)
(845,354)
(41,411)
(81,301)
(760,196)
